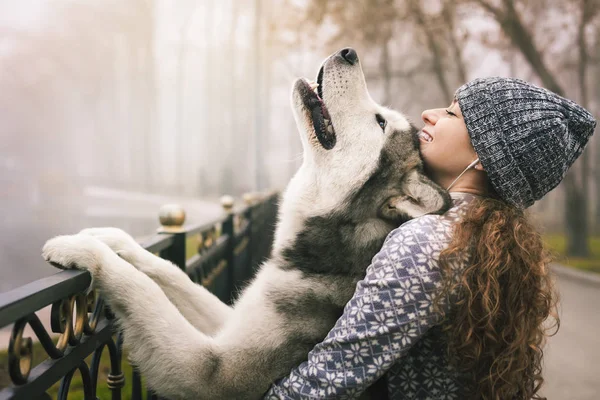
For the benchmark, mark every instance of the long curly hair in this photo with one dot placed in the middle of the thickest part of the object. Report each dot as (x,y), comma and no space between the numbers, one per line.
(504,297)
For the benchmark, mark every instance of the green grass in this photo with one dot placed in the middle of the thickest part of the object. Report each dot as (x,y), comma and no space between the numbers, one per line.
(558,243)
(76,388)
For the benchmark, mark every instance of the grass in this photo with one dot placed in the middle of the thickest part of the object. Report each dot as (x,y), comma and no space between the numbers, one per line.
(76,388)
(558,243)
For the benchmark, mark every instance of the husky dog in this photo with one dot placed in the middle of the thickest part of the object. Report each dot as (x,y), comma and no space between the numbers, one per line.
(361,177)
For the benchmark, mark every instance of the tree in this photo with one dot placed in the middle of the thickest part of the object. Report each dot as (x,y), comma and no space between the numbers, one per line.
(576,205)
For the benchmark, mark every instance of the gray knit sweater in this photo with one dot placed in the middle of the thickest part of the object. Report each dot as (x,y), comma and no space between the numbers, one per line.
(388,328)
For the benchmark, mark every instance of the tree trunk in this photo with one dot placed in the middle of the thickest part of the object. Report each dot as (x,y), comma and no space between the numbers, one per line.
(521,38)
(438,65)
(578,248)
(449,16)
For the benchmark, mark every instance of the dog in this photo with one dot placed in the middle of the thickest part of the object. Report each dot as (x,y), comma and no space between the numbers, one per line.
(361,177)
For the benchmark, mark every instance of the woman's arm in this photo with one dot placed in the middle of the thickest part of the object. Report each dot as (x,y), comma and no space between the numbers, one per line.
(389,312)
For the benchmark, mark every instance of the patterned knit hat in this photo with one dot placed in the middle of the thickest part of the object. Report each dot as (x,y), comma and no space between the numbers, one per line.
(526,137)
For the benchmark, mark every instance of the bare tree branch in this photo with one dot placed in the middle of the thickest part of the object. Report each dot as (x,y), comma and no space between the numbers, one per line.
(449,16)
(491,9)
(438,66)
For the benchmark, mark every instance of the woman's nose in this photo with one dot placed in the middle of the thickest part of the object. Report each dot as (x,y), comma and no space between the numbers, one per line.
(429,117)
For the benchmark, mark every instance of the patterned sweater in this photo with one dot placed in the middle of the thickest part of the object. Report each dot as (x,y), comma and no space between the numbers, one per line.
(388,328)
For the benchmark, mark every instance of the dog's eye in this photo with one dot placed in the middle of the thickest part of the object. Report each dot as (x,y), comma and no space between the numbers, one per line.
(381,121)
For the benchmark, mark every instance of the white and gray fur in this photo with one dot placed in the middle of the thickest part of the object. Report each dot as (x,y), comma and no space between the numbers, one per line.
(333,218)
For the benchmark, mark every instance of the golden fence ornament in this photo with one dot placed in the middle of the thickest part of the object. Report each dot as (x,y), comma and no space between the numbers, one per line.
(20,354)
(171,217)
(200,239)
(241,246)
(93,312)
(62,320)
(214,273)
(79,303)
(115,381)
(248,198)
(227,202)
(208,241)
(208,238)
(61,317)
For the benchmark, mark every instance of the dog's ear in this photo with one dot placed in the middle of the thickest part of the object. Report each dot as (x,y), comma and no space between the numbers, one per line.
(419,196)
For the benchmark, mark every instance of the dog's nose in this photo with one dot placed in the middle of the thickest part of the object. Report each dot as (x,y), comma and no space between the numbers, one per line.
(349,55)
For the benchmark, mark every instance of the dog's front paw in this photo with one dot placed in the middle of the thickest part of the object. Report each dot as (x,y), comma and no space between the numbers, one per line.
(118,240)
(75,251)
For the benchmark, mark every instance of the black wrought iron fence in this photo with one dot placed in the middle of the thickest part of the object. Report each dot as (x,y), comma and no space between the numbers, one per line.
(221,256)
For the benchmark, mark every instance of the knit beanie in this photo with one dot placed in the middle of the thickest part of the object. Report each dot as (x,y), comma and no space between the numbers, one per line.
(526,137)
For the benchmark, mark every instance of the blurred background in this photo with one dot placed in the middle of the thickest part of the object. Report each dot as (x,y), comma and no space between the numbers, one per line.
(111,108)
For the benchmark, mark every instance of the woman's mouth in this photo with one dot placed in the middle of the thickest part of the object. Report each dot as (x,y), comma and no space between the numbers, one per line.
(425,136)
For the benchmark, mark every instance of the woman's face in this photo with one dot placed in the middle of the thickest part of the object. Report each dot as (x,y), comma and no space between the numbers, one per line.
(445,144)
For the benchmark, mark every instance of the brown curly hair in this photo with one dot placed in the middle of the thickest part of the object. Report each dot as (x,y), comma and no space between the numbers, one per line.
(503,296)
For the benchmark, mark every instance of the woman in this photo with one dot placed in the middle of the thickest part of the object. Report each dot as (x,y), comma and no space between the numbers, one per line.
(452,306)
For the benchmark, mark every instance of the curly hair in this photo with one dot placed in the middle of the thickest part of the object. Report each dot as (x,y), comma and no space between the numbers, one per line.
(503,296)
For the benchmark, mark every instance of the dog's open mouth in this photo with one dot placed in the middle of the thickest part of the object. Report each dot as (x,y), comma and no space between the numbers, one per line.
(312,96)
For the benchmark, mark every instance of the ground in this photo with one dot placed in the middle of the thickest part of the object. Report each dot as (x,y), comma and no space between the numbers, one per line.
(571,358)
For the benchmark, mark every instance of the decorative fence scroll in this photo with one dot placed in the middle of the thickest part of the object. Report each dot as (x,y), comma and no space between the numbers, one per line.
(221,256)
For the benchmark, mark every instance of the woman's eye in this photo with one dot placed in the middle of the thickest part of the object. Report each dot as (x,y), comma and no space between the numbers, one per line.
(381,121)
(450,113)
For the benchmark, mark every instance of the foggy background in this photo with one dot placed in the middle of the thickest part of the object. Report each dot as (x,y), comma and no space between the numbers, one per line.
(111,108)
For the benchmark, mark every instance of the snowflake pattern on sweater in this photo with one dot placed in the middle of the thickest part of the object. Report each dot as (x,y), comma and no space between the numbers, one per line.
(388,327)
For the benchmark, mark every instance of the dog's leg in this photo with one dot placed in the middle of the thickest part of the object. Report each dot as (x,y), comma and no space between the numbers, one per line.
(178,361)
(203,309)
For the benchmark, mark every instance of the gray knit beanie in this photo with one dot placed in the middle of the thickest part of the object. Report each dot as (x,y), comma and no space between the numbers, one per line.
(526,137)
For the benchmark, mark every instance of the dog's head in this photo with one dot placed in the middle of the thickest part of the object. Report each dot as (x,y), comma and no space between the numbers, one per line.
(356,151)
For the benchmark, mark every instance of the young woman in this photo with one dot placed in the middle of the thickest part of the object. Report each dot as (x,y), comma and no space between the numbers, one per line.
(453,306)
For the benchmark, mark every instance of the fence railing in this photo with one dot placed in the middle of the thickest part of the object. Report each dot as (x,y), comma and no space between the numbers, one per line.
(221,256)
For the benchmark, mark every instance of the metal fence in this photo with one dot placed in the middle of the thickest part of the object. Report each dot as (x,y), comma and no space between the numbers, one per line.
(221,256)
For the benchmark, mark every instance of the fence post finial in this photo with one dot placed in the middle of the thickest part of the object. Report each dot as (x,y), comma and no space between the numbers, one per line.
(171,217)
(227,203)
(248,198)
